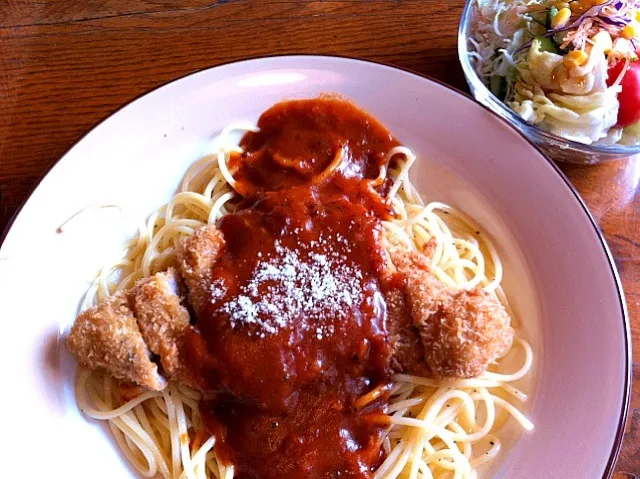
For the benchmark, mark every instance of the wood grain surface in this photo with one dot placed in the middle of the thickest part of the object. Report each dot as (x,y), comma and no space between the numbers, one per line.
(65,65)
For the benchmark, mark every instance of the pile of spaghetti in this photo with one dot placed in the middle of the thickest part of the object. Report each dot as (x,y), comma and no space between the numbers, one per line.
(569,67)
(438,429)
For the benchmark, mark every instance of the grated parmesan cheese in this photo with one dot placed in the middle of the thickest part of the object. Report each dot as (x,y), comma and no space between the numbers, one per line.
(307,288)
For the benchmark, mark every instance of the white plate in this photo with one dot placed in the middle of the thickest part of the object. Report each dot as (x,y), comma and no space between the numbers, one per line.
(559,273)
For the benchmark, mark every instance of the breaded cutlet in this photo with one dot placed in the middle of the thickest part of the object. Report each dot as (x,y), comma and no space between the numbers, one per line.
(435,330)
(406,347)
(107,336)
(462,331)
(163,320)
(196,256)
(121,334)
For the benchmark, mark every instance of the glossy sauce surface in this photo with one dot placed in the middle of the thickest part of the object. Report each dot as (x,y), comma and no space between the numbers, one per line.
(296,328)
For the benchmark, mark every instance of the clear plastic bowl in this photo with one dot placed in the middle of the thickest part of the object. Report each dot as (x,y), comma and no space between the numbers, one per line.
(556,147)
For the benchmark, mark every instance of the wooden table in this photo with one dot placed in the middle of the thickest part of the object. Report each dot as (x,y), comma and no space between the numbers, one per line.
(65,65)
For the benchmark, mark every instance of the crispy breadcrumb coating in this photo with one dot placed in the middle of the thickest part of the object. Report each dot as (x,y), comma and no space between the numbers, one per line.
(196,255)
(107,336)
(462,331)
(163,320)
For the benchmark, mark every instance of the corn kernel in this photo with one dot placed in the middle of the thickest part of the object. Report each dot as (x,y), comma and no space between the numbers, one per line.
(560,4)
(575,58)
(561,19)
(603,40)
(632,30)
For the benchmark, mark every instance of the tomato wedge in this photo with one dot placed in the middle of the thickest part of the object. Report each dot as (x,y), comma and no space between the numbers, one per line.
(629,97)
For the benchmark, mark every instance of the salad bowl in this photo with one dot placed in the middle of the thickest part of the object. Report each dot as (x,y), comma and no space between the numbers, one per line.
(557,147)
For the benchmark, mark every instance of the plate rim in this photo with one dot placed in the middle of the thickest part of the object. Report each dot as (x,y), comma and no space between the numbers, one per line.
(626,394)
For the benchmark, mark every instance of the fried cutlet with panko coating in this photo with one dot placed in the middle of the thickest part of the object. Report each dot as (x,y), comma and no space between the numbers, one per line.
(407,351)
(462,331)
(196,255)
(107,336)
(122,334)
(163,320)
(435,330)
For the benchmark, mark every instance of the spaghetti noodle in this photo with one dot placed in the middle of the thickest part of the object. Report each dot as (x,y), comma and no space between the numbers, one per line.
(437,429)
